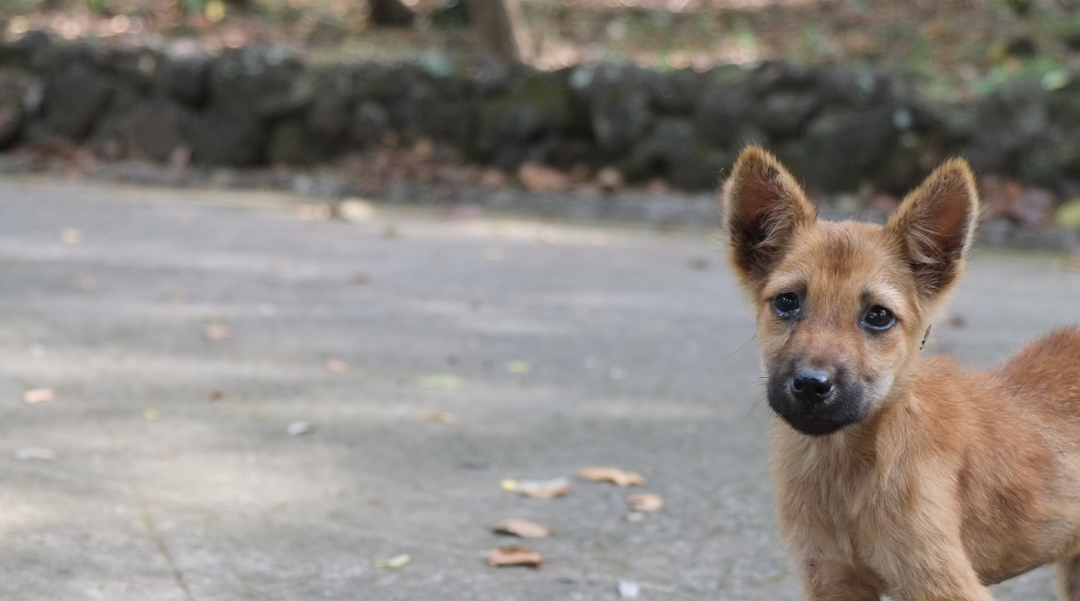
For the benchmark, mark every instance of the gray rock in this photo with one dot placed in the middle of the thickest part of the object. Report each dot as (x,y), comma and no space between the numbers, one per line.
(369,123)
(183,77)
(840,148)
(224,138)
(673,151)
(533,108)
(74,98)
(11,114)
(619,109)
(723,110)
(35,51)
(264,82)
(293,143)
(156,129)
(1008,121)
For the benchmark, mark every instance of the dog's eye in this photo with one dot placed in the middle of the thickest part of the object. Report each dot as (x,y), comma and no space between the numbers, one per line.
(786,304)
(879,318)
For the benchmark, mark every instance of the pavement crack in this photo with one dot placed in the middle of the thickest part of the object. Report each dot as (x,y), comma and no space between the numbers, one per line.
(163,547)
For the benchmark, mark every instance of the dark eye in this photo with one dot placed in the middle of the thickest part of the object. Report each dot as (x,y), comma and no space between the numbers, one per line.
(879,318)
(786,304)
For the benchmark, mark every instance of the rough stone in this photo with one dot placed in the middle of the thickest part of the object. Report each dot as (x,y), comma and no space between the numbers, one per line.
(293,143)
(11,114)
(261,81)
(840,148)
(619,109)
(673,151)
(74,99)
(222,138)
(535,107)
(724,107)
(369,123)
(156,129)
(183,77)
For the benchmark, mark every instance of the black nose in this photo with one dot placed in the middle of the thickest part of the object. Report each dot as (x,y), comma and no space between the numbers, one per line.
(811,385)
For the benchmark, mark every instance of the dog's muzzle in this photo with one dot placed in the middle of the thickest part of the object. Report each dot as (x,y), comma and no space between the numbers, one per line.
(816,401)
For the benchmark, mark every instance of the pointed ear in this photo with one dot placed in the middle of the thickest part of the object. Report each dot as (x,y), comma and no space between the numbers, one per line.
(935,225)
(762,206)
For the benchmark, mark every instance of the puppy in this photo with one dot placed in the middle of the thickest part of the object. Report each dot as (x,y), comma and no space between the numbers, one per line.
(897,474)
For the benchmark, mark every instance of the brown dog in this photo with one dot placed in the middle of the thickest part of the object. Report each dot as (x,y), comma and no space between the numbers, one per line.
(896,474)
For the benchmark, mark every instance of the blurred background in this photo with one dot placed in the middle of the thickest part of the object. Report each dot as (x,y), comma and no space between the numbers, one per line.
(860,97)
(301,299)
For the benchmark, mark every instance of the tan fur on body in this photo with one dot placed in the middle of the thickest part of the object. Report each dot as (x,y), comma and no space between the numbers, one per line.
(940,480)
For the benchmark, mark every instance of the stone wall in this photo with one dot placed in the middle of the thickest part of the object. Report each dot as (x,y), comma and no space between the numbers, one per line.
(840,128)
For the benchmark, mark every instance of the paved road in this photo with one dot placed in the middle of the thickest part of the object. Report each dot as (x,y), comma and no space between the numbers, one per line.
(638,351)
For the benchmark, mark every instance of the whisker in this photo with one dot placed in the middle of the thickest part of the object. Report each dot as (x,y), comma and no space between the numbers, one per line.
(752,338)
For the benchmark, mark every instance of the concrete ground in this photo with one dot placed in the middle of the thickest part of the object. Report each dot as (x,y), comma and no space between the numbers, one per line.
(551,346)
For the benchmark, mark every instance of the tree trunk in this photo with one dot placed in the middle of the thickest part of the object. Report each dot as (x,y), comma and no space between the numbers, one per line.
(390,13)
(500,29)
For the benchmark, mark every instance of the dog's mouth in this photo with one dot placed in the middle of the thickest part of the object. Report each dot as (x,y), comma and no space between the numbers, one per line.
(812,425)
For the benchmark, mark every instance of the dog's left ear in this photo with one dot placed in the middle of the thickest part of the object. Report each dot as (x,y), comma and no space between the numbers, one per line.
(935,224)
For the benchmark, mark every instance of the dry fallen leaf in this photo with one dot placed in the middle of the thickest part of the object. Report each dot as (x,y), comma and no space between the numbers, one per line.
(514,556)
(538,489)
(217,395)
(522,528)
(613,475)
(394,562)
(645,502)
(217,331)
(337,366)
(437,417)
(38,395)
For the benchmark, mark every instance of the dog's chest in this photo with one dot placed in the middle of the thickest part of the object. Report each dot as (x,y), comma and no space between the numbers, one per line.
(821,500)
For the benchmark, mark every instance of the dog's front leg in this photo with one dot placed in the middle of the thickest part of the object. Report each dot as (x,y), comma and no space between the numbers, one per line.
(833,581)
(930,568)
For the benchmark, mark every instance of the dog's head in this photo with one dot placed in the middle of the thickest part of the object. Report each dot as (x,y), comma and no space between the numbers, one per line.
(842,307)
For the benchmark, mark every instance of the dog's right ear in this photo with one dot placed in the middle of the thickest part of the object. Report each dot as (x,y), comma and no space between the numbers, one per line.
(762,206)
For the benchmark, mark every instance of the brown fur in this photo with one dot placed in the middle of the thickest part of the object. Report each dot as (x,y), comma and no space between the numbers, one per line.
(948,479)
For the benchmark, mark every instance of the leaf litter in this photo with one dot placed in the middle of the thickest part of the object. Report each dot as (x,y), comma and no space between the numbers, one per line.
(514,556)
(217,331)
(538,489)
(38,395)
(521,528)
(645,502)
(394,562)
(337,366)
(437,417)
(612,475)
